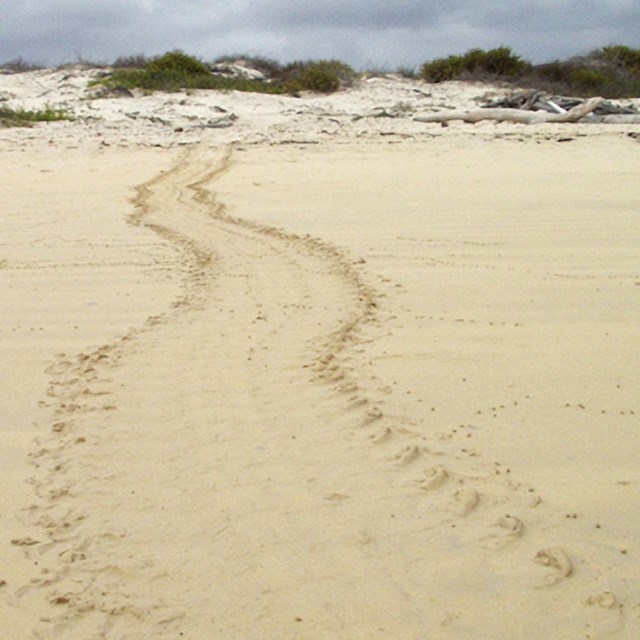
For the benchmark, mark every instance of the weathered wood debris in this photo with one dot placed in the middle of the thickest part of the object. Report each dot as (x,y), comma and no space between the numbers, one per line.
(540,101)
(534,107)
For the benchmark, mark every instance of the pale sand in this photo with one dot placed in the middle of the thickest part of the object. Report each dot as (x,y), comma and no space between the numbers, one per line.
(345,390)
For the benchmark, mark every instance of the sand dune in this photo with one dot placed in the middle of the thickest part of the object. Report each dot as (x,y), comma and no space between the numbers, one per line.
(340,390)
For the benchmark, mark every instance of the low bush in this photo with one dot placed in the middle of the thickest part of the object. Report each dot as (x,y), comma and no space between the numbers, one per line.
(177,62)
(551,71)
(612,72)
(588,80)
(175,70)
(322,76)
(500,62)
(476,63)
(608,72)
(442,69)
(625,57)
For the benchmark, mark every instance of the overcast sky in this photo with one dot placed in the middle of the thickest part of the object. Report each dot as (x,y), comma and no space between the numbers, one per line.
(364,33)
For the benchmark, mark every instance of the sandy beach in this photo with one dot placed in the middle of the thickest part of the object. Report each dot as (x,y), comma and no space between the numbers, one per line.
(317,370)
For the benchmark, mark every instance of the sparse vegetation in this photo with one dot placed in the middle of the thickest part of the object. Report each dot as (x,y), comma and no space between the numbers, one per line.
(322,76)
(20,65)
(82,63)
(407,72)
(176,70)
(271,69)
(172,81)
(24,118)
(176,62)
(138,61)
(625,57)
(611,72)
(588,79)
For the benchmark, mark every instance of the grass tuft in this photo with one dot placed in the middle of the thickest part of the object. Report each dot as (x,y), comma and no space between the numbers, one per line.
(20,65)
(24,118)
(137,61)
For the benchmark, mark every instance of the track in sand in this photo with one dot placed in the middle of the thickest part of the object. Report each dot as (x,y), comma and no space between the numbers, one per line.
(232,469)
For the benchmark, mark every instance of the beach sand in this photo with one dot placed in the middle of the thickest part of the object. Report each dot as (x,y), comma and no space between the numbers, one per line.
(298,385)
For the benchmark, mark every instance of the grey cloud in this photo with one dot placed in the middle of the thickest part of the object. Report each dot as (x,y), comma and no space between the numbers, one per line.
(357,14)
(553,17)
(358,31)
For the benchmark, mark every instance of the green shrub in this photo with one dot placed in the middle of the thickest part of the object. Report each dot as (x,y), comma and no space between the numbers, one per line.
(613,72)
(170,72)
(323,76)
(175,71)
(475,63)
(551,71)
(588,80)
(343,71)
(171,81)
(606,72)
(315,78)
(623,56)
(442,69)
(472,61)
(177,62)
(501,62)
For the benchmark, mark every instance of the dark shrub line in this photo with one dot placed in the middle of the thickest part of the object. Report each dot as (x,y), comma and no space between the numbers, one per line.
(475,63)
(176,70)
(611,72)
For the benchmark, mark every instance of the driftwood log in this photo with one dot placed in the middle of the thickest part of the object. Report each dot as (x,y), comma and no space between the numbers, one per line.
(514,115)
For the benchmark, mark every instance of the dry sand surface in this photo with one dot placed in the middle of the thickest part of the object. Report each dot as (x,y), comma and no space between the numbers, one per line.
(317,376)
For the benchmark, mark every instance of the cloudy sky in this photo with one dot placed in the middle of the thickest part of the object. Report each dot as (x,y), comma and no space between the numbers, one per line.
(365,33)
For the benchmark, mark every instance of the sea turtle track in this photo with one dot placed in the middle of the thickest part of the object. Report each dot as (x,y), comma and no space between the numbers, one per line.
(262,312)
(189,460)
